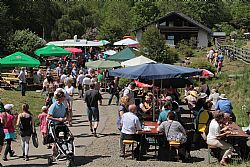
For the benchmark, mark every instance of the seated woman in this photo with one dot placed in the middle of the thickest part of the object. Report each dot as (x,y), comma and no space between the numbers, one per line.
(174,131)
(146,108)
(216,134)
(164,114)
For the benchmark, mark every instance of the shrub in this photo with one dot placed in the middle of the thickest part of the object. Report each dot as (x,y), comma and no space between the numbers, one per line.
(123,82)
(185,48)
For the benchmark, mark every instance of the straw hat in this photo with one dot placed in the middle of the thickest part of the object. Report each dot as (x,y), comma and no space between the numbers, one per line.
(223,96)
(194,93)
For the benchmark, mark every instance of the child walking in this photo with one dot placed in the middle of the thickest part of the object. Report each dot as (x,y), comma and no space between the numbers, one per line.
(44,122)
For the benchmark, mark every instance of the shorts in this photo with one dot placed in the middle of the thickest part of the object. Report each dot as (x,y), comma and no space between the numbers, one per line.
(93,112)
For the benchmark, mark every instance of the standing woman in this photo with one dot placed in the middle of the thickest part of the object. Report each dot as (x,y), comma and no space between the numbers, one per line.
(26,125)
(9,130)
(70,90)
(2,122)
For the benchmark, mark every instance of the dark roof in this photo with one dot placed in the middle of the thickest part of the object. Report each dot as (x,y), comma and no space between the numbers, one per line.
(189,19)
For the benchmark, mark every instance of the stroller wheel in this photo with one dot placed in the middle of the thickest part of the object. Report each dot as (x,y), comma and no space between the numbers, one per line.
(68,163)
(50,160)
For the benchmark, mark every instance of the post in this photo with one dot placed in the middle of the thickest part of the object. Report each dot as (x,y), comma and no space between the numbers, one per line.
(154,100)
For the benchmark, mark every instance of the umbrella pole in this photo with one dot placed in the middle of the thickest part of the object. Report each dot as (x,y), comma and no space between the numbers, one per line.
(154,100)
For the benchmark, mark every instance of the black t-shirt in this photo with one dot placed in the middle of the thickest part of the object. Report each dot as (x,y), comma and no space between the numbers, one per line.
(92,97)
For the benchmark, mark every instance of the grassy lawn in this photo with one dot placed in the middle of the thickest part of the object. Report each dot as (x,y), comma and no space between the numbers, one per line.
(35,100)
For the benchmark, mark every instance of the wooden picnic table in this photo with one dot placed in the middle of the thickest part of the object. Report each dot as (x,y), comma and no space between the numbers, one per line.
(6,74)
(236,131)
(10,78)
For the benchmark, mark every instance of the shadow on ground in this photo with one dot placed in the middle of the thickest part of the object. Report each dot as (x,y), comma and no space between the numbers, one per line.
(83,160)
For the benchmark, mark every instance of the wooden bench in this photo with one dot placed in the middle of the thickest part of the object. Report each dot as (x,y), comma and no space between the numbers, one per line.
(128,142)
(176,145)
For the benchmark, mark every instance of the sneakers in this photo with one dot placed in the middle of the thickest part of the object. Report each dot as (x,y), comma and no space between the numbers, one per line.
(12,153)
(5,158)
(26,157)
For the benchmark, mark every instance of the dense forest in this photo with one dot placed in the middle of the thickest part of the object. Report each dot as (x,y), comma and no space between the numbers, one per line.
(110,20)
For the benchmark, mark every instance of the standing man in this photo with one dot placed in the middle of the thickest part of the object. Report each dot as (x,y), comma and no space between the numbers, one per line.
(22,81)
(114,91)
(129,92)
(79,81)
(91,98)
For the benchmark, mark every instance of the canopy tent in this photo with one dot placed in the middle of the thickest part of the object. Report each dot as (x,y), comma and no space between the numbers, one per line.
(109,52)
(74,50)
(154,71)
(82,42)
(52,50)
(102,64)
(126,42)
(137,61)
(125,54)
(19,59)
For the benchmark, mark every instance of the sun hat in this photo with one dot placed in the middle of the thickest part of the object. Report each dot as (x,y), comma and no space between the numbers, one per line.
(194,93)
(202,95)
(8,106)
(223,96)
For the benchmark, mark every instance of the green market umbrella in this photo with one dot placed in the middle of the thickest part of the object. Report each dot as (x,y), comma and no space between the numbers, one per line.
(125,54)
(52,50)
(19,59)
(102,64)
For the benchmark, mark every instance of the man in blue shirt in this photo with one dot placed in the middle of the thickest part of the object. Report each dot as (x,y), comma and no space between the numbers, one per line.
(163,116)
(225,105)
(57,113)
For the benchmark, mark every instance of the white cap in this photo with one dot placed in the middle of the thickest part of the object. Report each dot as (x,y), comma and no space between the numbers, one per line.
(8,106)
(44,108)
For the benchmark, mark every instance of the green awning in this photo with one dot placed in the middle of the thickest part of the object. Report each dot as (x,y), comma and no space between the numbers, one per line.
(19,59)
(52,50)
(125,54)
(102,64)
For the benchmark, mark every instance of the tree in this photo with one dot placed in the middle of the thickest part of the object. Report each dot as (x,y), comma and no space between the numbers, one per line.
(116,21)
(144,12)
(24,41)
(154,47)
(240,11)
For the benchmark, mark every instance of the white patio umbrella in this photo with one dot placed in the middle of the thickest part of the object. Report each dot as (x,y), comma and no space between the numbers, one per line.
(137,61)
(109,52)
(126,42)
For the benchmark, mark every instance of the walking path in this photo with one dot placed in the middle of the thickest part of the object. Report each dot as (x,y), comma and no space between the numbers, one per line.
(80,129)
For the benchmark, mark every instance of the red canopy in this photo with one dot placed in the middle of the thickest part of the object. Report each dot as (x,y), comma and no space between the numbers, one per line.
(142,85)
(74,50)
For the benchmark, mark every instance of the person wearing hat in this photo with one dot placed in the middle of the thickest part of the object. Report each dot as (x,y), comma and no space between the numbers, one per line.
(191,99)
(225,105)
(9,130)
(22,80)
(128,91)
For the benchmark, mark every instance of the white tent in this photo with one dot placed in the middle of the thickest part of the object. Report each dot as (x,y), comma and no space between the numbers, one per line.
(137,61)
(109,52)
(72,43)
(126,42)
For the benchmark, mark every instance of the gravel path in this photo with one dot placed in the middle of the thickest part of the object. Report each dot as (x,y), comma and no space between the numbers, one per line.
(105,150)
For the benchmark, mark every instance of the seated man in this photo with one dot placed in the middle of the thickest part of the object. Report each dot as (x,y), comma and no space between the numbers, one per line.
(130,125)
(164,114)
(216,134)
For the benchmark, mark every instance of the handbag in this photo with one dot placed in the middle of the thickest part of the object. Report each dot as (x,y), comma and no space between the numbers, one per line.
(48,139)
(34,138)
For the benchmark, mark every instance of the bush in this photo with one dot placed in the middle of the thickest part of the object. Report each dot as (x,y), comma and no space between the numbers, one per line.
(123,82)
(203,65)
(185,48)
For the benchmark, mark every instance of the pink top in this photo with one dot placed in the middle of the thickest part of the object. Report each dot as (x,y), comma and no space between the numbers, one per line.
(43,122)
(9,128)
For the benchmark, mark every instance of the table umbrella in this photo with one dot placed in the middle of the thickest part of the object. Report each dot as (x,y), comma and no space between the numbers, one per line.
(19,59)
(206,73)
(126,42)
(154,71)
(102,64)
(52,50)
(74,50)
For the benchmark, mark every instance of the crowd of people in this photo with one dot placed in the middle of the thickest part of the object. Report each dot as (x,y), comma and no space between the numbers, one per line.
(216,59)
(136,105)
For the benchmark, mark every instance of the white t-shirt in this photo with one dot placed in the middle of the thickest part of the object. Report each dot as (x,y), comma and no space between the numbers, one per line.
(63,77)
(80,79)
(86,81)
(45,83)
(214,130)
(130,123)
(70,91)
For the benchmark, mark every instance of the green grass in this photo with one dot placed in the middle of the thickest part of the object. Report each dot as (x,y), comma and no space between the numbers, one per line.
(35,100)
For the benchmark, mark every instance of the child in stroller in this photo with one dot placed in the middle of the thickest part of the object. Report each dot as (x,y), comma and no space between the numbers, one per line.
(64,142)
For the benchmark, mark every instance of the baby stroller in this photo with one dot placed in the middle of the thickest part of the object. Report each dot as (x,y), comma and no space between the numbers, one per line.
(64,141)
